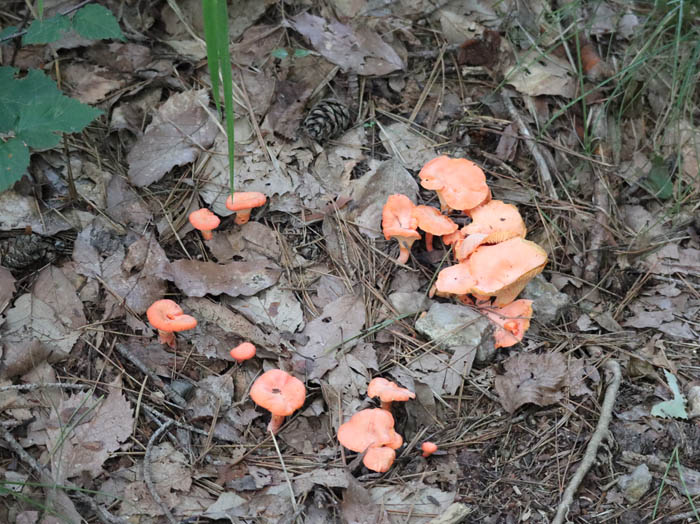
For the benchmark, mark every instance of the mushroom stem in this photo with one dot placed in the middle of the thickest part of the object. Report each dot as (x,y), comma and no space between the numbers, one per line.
(404,253)
(428,241)
(167,337)
(207,234)
(385,405)
(275,423)
(242,216)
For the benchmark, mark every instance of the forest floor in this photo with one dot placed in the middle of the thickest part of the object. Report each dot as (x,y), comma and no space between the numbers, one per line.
(582,114)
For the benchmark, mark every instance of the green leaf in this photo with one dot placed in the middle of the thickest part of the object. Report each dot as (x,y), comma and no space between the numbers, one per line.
(301,53)
(209,14)
(35,109)
(46,31)
(280,53)
(14,160)
(9,30)
(659,181)
(671,408)
(96,22)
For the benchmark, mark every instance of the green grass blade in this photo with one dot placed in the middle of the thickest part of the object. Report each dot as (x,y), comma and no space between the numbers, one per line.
(209,11)
(227,81)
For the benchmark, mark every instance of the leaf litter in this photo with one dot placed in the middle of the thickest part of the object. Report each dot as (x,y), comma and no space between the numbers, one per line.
(310,281)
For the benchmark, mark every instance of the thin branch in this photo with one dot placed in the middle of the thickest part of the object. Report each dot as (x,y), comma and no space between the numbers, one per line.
(600,432)
(147,472)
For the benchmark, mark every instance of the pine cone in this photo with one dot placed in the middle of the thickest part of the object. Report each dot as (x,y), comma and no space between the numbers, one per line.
(327,119)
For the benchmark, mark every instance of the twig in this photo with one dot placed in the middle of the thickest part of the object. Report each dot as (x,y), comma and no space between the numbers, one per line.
(531,143)
(602,202)
(105,516)
(147,472)
(170,392)
(284,469)
(600,432)
(33,387)
(453,515)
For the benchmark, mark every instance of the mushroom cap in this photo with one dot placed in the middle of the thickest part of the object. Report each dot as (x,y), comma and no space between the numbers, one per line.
(369,428)
(459,182)
(452,237)
(388,391)
(432,221)
(497,220)
(204,220)
(397,218)
(513,321)
(428,448)
(466,246)
(243,351)
(278,392)
(167,316)
(501,270)
(245,200)
(379,459)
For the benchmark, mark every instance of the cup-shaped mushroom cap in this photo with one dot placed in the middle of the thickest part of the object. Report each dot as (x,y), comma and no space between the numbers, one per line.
(513,321)
(397,217)
(167,316)
(369,428)
(388,391)
(459,183)
(379,459)
(497,220)
(432,221)
(428,448)
(245,200)
(204,220)
(278,392)
(501,271)
(243,351)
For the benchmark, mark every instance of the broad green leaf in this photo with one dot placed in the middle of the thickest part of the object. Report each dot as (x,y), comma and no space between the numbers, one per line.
(671,408)
(659,181)
(14,160)
(35,109)
(96,22)
(280,53)
(301,53)
(9,30)
(46,31)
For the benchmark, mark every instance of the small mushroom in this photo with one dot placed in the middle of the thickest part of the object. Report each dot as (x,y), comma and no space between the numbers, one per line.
(433,222)
(280,393)
(167,317)
(243,203)
(428,448)
(398,222)
(243,352)
(205,221)
(379,459)
(501,271)
(459,183)
(513,320)
(497,220)
(388,392)
(371,428)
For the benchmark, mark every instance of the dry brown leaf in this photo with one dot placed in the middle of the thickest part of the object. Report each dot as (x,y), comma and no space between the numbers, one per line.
(179,131)
(256,44)
(198,278)
(340,320)
(416,499)
(531,378)
(410,148)
(358,49)
(85,431)
(7,287)
(274,308)
(125,206)
(252,241)
(212,395)
(534,75)
(125,58)
(358,507)
(90,83)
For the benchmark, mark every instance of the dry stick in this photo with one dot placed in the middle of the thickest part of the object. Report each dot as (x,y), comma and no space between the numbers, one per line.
(170,392)
(32,387)
(602,202)
(600,432)
(147,472)
(531,143)
(105,516)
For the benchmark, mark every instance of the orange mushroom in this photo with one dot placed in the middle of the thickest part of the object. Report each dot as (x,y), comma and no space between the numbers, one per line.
(280,393)
(388,392)
(167,317)
(379,459)
(398,222)
(371,428)
(459,183)
(243,352)
(513,320)
(205,221)
(243,203)
(433,222)
(497,220)
(501,271)
(428,448)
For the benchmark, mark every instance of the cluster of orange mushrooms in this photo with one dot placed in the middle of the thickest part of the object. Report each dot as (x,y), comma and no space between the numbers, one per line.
(242,204)
(494,261)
